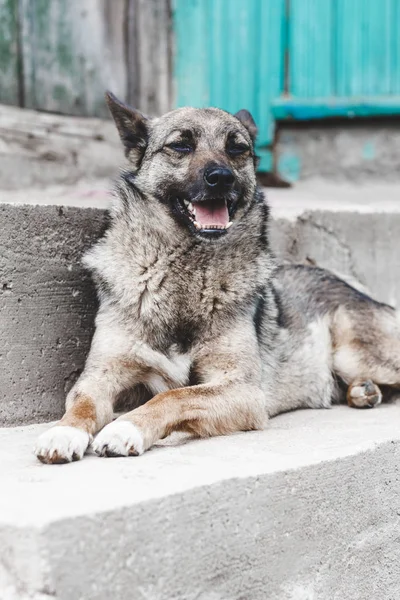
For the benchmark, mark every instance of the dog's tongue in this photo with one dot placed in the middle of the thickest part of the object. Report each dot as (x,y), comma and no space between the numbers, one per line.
(212,213)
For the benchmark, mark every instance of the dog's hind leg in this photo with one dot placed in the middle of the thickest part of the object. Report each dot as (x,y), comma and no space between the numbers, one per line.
(366,352)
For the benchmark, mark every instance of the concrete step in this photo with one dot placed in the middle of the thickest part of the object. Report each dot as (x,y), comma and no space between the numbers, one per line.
(39,148)
(362,151)
(47,301)
(305,510)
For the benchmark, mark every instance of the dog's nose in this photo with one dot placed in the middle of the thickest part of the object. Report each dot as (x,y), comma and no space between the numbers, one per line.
(219,178)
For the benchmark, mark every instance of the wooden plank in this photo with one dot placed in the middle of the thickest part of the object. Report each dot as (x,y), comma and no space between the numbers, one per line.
(149,55)
(272,39)
(305,109)
(72,51)
(191,66)
(394,44)
(367,56)
(229,55)
(39,149)
(9,65)
(310,48)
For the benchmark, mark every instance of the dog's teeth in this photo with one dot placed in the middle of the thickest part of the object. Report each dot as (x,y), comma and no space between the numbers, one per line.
(190,206)
(210,226)
(229,224)
(187,203)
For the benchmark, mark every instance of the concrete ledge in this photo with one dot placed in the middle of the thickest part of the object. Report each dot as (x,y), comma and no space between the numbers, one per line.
(39,148)
(47,306)
(350,229)
(47,301)
(348,151)
(306,510)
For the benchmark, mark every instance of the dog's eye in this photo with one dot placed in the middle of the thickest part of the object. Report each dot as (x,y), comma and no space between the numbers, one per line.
(181,147)
(237,149)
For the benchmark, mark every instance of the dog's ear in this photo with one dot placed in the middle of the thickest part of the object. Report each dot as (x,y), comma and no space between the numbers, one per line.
(133,128)
(247,120)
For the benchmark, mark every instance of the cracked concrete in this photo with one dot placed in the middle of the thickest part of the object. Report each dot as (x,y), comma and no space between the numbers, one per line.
(351,229)
(310,220)
(48,303)
(356,245)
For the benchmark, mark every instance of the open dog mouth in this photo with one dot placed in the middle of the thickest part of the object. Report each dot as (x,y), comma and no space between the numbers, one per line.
(212,215)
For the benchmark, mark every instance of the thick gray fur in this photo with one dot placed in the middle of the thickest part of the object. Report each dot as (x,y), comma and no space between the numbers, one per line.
(222,335)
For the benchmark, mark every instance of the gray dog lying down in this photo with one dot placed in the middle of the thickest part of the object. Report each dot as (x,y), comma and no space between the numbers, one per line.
(194,306)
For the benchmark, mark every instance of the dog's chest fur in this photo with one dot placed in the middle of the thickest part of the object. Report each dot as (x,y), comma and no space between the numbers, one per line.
(175,290)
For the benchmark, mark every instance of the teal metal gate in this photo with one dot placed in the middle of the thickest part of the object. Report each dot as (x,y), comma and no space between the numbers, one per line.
(288,59)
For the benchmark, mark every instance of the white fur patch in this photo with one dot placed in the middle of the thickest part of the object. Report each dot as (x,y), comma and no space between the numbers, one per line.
(156,383)
(62,444)
(357,392)
(320,340)
(347,364)
(120,438)
(181,367)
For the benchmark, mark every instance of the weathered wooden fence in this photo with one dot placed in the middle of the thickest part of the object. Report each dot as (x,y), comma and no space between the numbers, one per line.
(60,55)
(281,59)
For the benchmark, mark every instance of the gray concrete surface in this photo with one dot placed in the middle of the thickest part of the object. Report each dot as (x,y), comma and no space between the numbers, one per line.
(351,229)
(305,510)
(39,148)
(47,302)
(359,151)
(47,306)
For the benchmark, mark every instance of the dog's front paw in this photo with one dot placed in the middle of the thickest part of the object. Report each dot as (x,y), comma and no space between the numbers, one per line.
(62,444)
(120,438)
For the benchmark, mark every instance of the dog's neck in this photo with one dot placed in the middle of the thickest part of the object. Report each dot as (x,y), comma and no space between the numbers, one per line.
(145,247)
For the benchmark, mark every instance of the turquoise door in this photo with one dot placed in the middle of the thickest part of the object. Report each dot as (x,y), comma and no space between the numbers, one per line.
(288,59)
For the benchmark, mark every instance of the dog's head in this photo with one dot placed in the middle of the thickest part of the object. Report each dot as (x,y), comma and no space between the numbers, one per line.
(199,162)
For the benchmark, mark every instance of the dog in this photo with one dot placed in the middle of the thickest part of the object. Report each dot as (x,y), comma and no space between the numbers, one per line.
(194,305)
